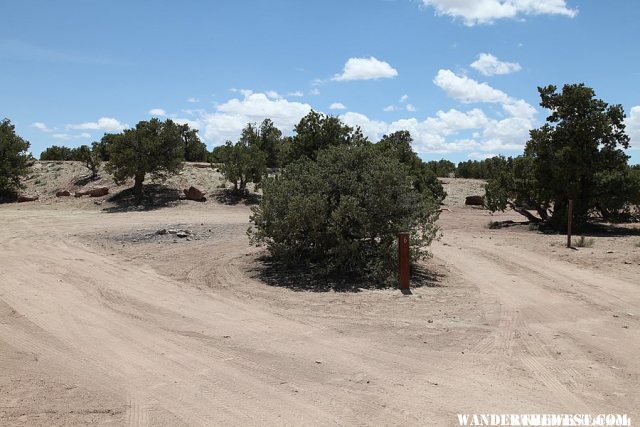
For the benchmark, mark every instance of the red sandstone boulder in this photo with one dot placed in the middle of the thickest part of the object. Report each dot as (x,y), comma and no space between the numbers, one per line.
(94,192)
(192,193)
(22,199)
(62,193)
(474,201)
(99,192)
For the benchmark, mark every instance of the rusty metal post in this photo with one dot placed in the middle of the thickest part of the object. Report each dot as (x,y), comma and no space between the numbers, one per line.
(403,258)
(569,220)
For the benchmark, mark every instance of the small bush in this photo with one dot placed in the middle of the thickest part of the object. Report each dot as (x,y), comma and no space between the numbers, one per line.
(533,226)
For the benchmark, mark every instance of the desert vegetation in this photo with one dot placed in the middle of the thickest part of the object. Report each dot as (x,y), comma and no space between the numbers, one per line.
(13,160)
(577,155)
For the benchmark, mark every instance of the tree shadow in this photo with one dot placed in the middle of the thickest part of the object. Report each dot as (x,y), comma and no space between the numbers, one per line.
(496,225)
(81,182)
(155,196)
(230,197)
(8,197)
(608,230)
(305,279)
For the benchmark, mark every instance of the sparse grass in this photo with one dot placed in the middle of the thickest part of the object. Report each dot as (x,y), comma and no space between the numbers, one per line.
(637,245)
(533,226)
(585,243)
(491,224)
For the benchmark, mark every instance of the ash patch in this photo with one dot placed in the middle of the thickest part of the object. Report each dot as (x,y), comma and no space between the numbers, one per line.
(176,233)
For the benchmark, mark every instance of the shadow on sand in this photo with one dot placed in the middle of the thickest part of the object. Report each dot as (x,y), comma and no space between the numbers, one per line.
(305,280)
(230,197)
(155,196)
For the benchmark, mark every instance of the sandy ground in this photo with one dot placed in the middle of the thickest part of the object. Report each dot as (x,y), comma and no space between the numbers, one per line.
(103,321)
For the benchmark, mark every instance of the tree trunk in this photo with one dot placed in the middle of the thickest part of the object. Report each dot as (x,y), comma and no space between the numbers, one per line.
(525,213)
(137,187)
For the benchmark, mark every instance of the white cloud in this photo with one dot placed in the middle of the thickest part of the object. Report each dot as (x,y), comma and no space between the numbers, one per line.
(459,131)
(337,106)
(404,98)
(66,136)
(193,124)
(297,94)
(273,94)
(193,100)
(365,69)
(474,12)
(104,123)
(489,65)
(481,156)
(390,108)
(41,126)
(157,112)
(410,108)
(633,127)
(315,91)
(231,117)
(520,108)
(447,131)
(468,90)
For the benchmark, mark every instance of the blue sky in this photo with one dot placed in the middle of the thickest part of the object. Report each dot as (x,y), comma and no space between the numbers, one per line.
(461,75)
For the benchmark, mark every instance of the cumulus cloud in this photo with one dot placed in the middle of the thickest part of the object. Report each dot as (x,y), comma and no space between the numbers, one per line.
(460,131)
(447,131)
(107,124)
(337,106)
(489,65)
(297,94)
(366,69)
(41,126)
(404,98)
(193,100)
(473,12)
(390,108)
(229,118)
(410,108)
(273,94)
(157,112)
(481,156)
(467,90)
(633,127)
(66,136)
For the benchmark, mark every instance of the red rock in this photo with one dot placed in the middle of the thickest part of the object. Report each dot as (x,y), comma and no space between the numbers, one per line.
(98,192)
(192,193)
(22,199)
(474,201)
(94,192)
(62,193)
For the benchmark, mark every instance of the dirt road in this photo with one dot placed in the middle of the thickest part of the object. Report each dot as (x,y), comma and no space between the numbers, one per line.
(101,321)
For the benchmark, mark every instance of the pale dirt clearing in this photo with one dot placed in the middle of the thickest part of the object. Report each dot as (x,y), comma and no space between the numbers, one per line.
(103,322)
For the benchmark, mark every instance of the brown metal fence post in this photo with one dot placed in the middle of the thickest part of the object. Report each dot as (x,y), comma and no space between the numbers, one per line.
(569,220)
(403,258)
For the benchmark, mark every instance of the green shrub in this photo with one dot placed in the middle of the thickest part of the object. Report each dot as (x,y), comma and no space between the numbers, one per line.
(339,216)
(13,159)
